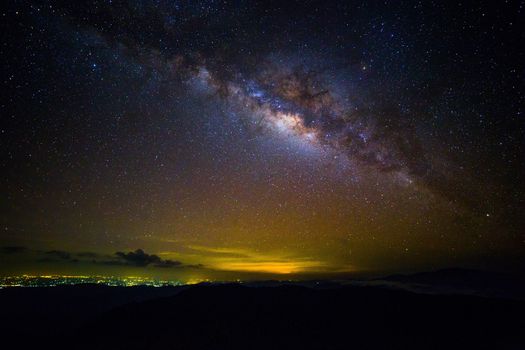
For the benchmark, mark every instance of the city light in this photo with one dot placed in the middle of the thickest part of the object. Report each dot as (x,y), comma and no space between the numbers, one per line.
(61,280)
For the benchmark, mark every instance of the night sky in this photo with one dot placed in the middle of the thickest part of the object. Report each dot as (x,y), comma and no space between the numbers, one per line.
(242,140)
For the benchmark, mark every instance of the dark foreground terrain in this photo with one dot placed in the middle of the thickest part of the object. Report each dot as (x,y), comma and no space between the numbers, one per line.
(234,316)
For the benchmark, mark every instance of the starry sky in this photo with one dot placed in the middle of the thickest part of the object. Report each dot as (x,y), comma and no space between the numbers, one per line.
(243,140)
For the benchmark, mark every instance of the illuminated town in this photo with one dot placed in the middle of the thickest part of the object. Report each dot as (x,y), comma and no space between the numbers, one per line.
(58,280)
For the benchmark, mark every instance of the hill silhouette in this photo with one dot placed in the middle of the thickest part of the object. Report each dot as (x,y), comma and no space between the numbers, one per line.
(272,316)
(467,281)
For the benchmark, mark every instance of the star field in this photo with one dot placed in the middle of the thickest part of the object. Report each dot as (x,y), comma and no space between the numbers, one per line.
(226,140)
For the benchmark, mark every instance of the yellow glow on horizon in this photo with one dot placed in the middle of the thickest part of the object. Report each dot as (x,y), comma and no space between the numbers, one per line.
(279,267)
(246,260)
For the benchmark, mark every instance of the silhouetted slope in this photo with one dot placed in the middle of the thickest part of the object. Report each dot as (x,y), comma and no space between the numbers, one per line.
(32,316)
(482,282)
(292,317)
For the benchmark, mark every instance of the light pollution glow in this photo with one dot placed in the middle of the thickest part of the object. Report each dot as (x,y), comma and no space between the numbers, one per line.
(245,260)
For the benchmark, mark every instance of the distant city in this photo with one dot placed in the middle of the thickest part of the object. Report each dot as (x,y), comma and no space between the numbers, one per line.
(58,280)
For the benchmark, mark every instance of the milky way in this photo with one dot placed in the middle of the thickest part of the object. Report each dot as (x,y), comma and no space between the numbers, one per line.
(228,140)
(303,107)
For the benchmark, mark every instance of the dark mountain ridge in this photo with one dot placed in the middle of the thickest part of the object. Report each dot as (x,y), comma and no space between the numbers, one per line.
(267,315)
(235,316)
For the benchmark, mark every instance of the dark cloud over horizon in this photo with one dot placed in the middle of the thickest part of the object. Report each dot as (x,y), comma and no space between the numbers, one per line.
(141,259)
(12,249)
(137,258)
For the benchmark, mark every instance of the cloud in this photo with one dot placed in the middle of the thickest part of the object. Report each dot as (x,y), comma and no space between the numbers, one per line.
(247,260)
(59,254)
(88,255)
(140,258)
(137,258)
(168,263)
(226,252)
(12,249)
